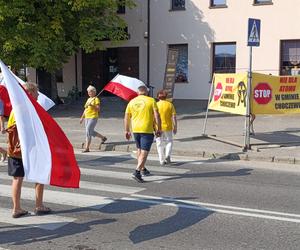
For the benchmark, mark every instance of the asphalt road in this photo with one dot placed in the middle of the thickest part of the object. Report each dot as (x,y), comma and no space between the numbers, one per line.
(192,204)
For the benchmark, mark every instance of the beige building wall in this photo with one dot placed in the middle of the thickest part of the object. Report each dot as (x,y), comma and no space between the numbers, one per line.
(200,26)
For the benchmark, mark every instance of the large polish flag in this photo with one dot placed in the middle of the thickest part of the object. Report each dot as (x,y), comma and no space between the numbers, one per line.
(48,156)
(43,100)
(124,86)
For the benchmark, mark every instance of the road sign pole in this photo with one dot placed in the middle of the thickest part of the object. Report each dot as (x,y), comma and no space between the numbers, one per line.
(248,104)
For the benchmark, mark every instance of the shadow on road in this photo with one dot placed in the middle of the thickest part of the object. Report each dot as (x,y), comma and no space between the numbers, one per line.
(183,218)
(32,234)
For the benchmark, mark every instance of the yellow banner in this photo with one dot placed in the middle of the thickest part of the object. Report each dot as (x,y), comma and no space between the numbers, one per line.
(275,94)
(230,92)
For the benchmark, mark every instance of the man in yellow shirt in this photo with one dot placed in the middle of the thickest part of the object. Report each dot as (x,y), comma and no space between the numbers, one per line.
(167,113)
(142,112)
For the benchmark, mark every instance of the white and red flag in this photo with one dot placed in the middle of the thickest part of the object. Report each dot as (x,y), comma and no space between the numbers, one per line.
(48,156)
(124,86)
(43,100)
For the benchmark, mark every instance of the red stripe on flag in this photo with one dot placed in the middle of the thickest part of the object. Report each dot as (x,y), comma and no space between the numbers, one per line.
(120,90)
(5,99)
(64,169)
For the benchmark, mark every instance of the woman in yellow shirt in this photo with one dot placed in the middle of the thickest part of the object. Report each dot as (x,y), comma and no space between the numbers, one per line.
(167,113)
(91,115)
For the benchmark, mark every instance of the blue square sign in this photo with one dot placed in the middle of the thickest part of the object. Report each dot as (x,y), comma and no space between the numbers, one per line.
(253,32)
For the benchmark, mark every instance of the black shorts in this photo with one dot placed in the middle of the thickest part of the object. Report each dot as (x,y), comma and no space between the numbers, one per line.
(15,167)
(143,141)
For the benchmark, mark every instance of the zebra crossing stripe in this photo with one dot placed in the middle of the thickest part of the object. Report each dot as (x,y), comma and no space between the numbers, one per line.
(110,187)
(122,189)
(163,169)
(49,222)
(62,198)
(122,175)
(113,175)
(152,157)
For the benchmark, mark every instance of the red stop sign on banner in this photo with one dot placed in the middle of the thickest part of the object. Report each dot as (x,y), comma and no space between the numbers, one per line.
(218,91)
(262,93)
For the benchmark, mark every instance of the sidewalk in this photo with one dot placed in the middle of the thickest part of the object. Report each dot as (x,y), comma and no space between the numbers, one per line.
(188,141)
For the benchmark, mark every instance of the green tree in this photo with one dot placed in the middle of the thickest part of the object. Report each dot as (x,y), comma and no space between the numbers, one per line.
(44,34)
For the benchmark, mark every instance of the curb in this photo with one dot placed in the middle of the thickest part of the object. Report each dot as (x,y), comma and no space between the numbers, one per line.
(201,153)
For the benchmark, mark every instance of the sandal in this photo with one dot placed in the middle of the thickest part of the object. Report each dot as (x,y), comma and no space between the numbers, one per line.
(85,151)
(42,210)
(104,139)
(19,214)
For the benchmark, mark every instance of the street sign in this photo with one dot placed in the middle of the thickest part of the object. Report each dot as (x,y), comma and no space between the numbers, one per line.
(253,32)
(262,93)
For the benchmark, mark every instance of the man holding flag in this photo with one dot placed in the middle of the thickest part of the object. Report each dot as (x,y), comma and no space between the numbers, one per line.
(47,154)
(15,165)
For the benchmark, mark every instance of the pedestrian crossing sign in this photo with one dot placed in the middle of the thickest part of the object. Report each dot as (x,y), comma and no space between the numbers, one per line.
(253,32)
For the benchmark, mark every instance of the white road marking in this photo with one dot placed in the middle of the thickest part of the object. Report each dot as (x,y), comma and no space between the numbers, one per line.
(49,222)
(97,186)
(152,157)
(110,187)
(256,213)
(149,167)
(60,197)
(122,175)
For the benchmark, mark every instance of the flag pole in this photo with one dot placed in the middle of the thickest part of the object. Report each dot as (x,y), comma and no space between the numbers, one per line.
(209,98)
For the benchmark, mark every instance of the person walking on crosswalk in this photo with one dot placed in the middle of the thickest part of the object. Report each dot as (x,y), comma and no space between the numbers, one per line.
(91,115)
(141,112)
(167,113)
(15,165)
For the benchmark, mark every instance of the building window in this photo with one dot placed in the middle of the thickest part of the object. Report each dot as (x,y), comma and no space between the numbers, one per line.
(290,57)
(218,3)
(261,2)
(182,63)
(178,5)
(224,57)
(121,7)
(59,75)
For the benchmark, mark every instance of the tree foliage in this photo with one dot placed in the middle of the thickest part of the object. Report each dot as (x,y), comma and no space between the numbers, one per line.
(46,33)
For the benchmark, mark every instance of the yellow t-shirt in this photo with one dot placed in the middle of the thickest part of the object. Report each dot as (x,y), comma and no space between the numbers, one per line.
(11,120)
(166,110)
(91,112)
(141,111)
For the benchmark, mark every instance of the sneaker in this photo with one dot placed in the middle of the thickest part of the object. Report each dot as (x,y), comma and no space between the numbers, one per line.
(168,160)
(162,163)
(137,176)
(146,172)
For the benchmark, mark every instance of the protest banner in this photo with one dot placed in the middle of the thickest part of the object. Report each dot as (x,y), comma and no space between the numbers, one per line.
(230,91)
(275,94)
